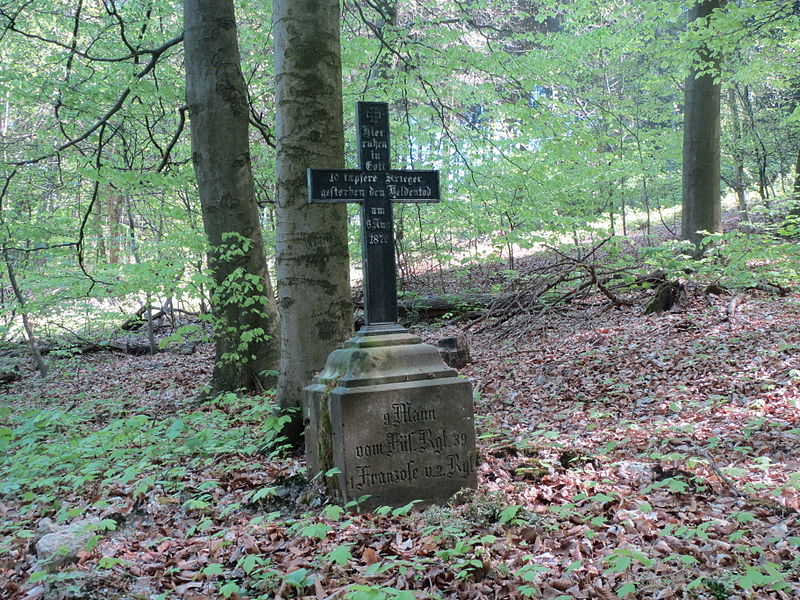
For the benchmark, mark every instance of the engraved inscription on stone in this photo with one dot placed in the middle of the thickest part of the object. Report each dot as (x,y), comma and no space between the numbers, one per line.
(410,444)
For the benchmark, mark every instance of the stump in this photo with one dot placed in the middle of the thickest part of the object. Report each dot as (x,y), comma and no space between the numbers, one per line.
(454,351)
(10,369)
(666,295)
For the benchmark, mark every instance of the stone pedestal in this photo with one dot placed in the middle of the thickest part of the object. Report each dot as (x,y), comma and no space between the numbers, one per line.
(393,419)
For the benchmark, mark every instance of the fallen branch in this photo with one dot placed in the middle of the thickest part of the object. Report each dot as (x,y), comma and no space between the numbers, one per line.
(423,308)
(713,464)
(86,346)
(138,319)
(771,288)
(562,281)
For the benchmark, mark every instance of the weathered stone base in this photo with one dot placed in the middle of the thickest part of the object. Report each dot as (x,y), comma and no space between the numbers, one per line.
(393,419)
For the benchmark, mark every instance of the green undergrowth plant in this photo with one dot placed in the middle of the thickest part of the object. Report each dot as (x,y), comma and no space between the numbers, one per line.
(735,260)
(61,463)
(374,592)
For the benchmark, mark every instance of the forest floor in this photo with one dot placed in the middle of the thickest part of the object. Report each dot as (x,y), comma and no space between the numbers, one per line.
(620,455)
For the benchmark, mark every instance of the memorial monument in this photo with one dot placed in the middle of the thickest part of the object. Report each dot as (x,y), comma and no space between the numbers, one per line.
(395,422)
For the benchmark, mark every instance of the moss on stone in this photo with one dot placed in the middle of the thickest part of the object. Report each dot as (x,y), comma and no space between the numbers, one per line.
(325,441)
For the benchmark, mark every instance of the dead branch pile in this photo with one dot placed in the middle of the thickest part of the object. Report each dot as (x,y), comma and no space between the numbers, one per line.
(586,277)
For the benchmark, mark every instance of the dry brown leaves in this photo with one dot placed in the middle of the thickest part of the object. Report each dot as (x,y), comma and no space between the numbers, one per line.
(660,451)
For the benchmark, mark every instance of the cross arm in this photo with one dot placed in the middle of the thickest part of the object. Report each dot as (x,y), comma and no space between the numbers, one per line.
(413,186)
(327,186)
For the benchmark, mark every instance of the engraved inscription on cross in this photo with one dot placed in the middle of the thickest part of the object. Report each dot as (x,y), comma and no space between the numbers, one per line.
(375,186)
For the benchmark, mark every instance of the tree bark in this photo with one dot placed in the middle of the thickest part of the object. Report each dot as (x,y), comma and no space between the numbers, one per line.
(114,211)
(739,182)
(30,338)
(701,150)
(796,186)
(311,241)
(244,311)
(97,210)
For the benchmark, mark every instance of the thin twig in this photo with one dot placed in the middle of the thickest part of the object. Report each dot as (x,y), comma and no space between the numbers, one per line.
(713,464)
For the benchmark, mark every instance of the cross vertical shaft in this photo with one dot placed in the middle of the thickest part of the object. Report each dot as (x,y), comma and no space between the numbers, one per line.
(377,224)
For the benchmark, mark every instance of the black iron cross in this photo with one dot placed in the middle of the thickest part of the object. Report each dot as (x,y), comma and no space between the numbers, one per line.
(375,186)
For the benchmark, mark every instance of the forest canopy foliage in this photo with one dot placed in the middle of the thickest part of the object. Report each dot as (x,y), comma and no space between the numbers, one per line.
(550,122)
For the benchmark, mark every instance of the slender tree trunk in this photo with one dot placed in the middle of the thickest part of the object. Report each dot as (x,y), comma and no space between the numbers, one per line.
(30,338)
(151,330)
(244,311)
(701,151)
(646,200)
(114,211)
(311,240)
(739,183)
(132,241)
(101,231)
(381,70)
(796,187)
(759,147)
(612,223)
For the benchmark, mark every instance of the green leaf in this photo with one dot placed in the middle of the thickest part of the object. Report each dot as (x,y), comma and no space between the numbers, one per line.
(695,583)
(404,510)
(626,589)
(37,576)
(107,525)
(509,513)
(109,562)
(363,592)
(340,555)
(333,512)
(300,579)
(264,492)
(213,569)
(229,589)
(317,530)
(177,428)
(6,435)
(753,577)
(250,562)
(574,565)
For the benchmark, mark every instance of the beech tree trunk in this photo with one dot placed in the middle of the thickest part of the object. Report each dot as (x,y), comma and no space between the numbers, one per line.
(245,317)
(701,151)
(311,240)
